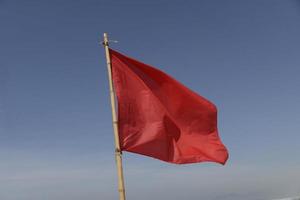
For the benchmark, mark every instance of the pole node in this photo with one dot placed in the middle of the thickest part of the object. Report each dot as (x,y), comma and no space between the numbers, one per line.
(105,43)
(118,151)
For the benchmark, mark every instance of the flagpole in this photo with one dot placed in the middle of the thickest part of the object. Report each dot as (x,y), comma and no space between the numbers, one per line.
(118,152)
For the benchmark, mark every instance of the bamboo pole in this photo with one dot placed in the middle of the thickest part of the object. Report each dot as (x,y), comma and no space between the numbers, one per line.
(118,152)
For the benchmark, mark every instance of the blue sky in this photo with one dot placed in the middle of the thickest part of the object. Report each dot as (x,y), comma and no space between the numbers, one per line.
(56,140)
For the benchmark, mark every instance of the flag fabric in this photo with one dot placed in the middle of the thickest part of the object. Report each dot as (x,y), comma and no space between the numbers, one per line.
(161,118)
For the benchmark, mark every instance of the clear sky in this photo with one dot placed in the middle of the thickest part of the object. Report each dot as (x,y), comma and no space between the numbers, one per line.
(56,140)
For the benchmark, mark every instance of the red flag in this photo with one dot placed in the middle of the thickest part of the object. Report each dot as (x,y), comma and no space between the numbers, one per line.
(161,118)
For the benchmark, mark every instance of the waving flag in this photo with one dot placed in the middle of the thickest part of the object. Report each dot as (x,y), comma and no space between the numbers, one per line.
(161,118)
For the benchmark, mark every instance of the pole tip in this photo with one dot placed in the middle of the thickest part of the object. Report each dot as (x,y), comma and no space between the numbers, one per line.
(105,41)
